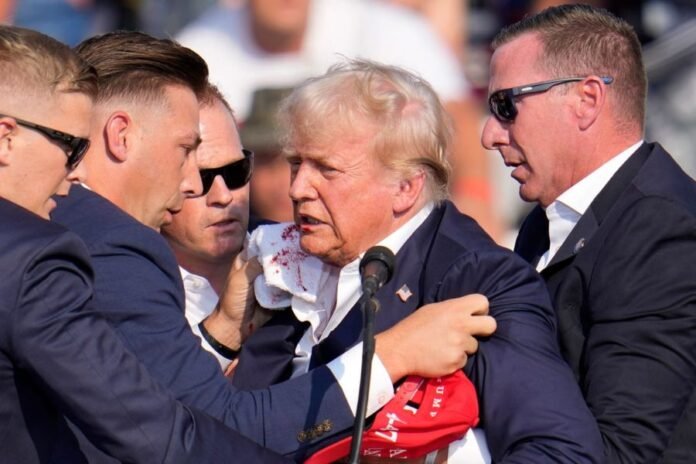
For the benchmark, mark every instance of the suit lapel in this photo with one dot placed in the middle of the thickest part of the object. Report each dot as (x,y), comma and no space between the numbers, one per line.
(392,308)
(581,233)
(600,206)
(533,239)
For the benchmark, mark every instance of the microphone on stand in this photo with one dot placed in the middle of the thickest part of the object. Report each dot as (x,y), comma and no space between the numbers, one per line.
(376,268)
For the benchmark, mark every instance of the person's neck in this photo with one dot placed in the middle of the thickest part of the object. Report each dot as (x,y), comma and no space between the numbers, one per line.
(214,272)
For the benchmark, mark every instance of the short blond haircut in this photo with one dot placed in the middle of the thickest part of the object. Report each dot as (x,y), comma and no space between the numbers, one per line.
(411,129)
(33,64)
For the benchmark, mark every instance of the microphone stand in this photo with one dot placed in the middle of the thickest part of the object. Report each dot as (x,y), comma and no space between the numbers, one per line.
(369,307)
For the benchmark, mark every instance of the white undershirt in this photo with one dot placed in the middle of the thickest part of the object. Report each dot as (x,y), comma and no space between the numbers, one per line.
(565,212)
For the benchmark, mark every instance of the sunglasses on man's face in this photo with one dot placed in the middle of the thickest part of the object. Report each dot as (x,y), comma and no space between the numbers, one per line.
(502,102)
(235,175)
(75,147)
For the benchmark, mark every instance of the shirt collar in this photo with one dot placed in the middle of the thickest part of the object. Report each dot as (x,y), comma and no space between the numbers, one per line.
(580,196)
(397,238)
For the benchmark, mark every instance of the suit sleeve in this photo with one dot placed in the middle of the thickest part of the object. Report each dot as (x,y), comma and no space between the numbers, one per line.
(531,407)
(640,357)
(74,356)
(138,285)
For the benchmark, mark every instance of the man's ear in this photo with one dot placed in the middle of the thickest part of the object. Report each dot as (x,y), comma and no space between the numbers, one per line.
(409,191)
(7,127)
(593,94)
(119,135)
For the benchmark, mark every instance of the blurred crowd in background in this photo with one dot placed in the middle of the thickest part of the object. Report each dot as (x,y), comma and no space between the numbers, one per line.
(667,29)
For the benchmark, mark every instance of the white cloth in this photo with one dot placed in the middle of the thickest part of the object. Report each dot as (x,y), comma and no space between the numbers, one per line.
(565,212)
(200,302)
(336,29)
(289,274)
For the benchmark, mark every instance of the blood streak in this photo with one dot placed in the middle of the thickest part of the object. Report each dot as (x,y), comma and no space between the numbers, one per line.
(291,255)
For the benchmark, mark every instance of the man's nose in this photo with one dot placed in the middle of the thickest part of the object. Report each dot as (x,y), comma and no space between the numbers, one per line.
(301,187)
(191,185)
(78,175)
(219,193)
(494,134)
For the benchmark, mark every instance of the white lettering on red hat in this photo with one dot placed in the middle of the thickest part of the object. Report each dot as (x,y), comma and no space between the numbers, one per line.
(396,452)
(390,432)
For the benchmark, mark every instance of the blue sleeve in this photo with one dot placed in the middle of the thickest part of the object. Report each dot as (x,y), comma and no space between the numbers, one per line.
(74,356)
(138,286)
(531,407)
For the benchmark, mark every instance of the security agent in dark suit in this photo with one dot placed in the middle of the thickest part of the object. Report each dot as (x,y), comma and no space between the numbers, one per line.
(367,146)
(614,232)
(141,169)
(57,356)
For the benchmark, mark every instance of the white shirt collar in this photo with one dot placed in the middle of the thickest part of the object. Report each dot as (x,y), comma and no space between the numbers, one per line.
(200,296)
(582,194)
(565,212)
(346,286)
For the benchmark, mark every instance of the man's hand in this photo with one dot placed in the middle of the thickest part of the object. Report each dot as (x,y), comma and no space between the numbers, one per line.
(235,309)
(437,339)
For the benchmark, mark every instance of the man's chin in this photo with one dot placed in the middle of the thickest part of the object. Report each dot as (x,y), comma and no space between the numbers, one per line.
(49,206)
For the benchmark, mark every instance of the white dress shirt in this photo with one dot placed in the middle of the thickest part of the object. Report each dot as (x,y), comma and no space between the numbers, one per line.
(565,212)
(200,302)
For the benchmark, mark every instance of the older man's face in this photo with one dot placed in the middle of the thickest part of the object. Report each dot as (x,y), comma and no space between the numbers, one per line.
(211,228)
(342,197)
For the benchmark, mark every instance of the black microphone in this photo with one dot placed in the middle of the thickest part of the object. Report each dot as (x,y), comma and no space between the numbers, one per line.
(376,268)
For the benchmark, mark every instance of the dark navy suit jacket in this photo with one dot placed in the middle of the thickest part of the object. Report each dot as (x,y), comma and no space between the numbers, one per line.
(624,288)
(57,357)
(531,408)
(138,289)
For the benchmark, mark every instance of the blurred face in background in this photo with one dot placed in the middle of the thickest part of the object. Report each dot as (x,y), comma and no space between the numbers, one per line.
(269,188)
(280,16)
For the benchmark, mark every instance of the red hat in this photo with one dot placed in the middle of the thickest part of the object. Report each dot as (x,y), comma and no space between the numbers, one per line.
(424,415)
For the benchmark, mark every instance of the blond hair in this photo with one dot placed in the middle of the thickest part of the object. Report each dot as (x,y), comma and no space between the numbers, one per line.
(33,64)
(411,129)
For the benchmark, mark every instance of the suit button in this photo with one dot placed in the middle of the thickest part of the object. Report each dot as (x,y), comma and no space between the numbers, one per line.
(325,426)
(302,437)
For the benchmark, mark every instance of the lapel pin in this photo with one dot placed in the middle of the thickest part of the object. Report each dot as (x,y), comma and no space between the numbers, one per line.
(579,245)
(404,293)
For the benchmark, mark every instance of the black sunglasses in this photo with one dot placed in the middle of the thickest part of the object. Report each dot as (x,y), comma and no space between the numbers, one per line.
(502,102)
(235,174)
(74,147)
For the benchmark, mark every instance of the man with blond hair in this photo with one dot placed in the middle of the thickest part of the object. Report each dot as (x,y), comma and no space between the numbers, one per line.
(367,145)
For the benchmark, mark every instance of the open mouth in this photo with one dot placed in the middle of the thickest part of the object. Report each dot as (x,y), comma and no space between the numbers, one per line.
(309,220)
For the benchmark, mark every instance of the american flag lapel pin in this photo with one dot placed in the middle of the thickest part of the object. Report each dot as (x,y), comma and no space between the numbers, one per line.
(404,293)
